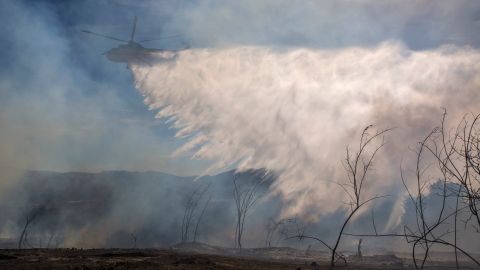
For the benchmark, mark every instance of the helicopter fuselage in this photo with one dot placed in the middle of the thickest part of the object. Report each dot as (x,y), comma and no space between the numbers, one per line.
(130,53)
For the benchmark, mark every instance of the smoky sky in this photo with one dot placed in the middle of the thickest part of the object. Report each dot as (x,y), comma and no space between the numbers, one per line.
(59,110)
(65,107)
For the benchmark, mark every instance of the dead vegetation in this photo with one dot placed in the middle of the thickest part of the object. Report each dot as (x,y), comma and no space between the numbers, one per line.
(456,156)
(357,164)
(191,213)
(245,196)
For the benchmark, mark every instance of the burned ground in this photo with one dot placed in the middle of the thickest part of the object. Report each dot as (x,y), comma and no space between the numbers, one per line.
(148,259)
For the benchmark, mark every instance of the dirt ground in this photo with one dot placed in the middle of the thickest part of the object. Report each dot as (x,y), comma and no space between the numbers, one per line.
(110,259)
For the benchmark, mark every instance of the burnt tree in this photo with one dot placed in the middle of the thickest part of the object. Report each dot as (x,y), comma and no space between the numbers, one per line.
(190,212)
(245,196)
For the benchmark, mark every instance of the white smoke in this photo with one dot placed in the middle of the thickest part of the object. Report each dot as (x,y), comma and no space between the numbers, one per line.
(293,111)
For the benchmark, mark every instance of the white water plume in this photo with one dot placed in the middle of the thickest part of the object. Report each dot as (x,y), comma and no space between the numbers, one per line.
(294,110)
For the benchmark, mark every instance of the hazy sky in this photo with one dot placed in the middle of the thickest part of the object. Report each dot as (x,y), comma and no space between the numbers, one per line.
(63,106)
(277,84)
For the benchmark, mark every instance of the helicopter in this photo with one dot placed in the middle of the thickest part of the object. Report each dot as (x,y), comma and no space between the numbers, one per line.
(133,51)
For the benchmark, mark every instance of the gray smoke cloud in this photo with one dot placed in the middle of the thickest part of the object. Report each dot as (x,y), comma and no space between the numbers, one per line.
(420,24)
(57,110)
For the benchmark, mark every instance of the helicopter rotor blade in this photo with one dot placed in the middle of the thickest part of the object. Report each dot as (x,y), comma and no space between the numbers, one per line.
(132,35)
(104,36)
(165,37)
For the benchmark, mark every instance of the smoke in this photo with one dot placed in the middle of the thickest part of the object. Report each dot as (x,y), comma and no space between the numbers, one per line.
(92,210)
(59,112)
(420,24)
(284,85)
(293,111)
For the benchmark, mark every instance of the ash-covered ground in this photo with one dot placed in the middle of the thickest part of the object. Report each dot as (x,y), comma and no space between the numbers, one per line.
(203,256)
(164,259)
